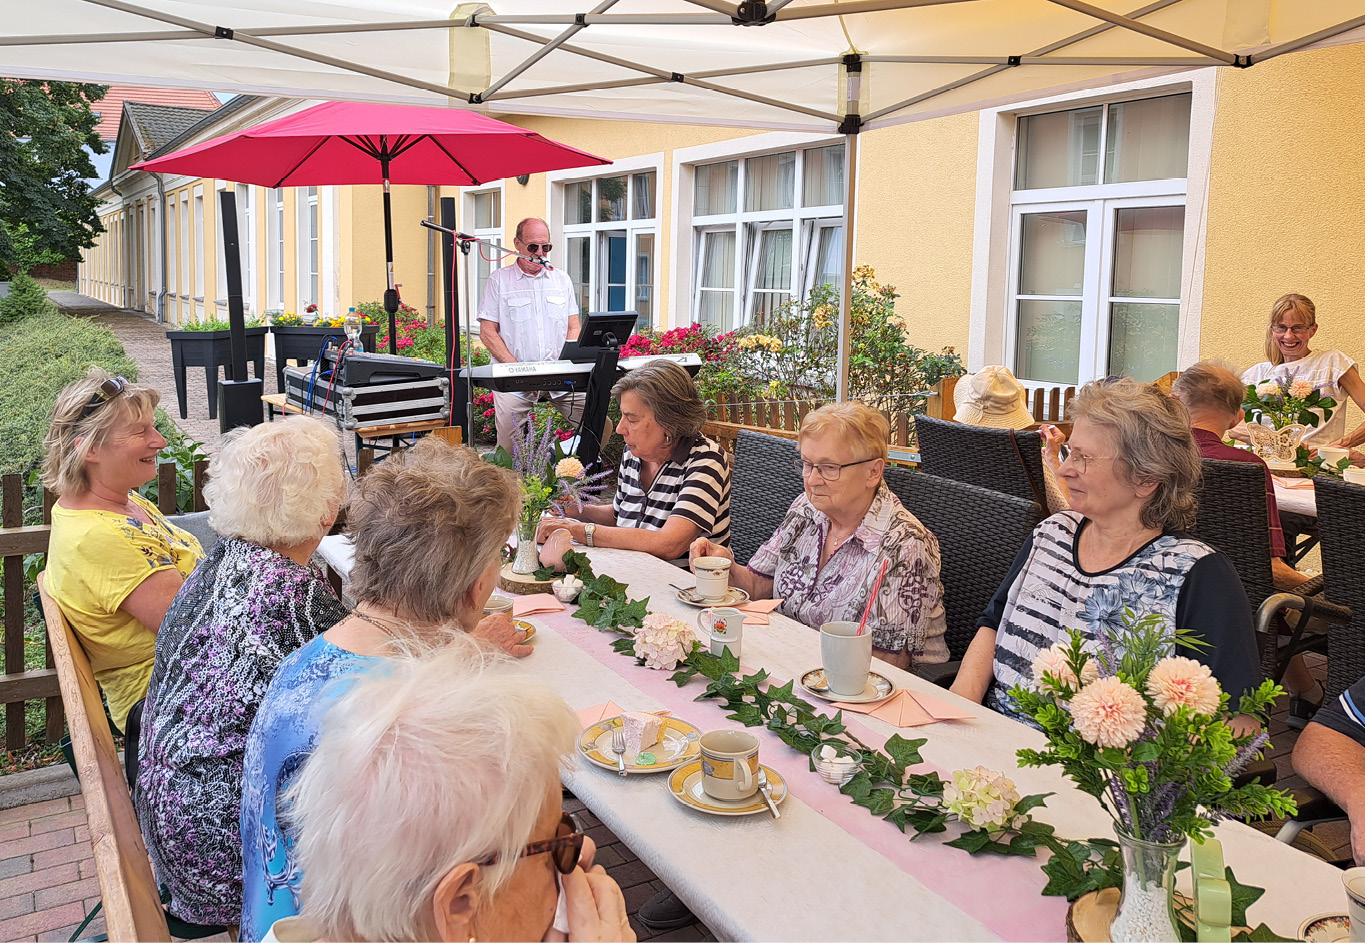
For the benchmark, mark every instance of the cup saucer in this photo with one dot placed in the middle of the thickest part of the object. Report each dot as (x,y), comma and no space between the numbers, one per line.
(733,597)
(685,785)
(878,688)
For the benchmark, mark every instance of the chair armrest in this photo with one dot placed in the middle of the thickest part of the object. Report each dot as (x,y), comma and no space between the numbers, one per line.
(943,674)
(1313,586)
(1315,807)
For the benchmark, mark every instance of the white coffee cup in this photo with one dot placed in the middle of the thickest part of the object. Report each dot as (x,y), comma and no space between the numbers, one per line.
(1331,454)
(713,577)
(847,657)
(724,627)
(729,764)
(1353,879)
(1355,476)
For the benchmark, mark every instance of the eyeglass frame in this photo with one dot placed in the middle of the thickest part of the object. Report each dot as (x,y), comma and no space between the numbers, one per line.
(109,388)
(800,464)
(537,246)
(1082,462)
(572,842)
(1298,330)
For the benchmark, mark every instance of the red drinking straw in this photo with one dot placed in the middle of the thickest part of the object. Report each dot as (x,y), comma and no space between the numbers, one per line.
(875,586)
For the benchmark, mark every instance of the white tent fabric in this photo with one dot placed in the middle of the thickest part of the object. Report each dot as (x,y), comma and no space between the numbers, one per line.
(810,65)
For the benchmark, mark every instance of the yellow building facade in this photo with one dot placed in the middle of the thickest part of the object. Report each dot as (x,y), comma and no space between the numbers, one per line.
(1137,228)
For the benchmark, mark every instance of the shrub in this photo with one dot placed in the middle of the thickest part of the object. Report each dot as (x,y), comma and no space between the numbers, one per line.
(43,353)
(25,299)
(217,324)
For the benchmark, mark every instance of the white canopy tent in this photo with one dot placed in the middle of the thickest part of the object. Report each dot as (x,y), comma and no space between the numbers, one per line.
(808,65)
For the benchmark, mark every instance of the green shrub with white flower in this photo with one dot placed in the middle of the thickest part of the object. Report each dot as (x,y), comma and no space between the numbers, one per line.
(1147,732)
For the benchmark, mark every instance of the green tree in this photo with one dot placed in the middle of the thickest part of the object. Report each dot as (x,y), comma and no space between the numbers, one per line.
(45,202)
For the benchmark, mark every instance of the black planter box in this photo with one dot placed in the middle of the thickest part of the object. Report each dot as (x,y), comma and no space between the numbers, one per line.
(211,350)
(303,342)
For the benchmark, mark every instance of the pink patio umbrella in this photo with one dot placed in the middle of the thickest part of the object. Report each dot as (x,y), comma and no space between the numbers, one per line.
(353,142)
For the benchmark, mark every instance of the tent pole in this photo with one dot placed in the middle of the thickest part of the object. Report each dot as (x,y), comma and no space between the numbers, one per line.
(841,392)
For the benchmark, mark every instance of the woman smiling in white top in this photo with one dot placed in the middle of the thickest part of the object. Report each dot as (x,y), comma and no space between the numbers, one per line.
(1293,323)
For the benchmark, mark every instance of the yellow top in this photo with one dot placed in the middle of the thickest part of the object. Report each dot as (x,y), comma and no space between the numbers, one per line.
(95,559)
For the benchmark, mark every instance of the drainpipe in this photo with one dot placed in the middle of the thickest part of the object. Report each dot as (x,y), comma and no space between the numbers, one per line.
(431,258)
(161,242)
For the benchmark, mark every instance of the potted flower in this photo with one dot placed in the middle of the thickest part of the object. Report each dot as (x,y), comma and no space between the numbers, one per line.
(302,342)
(1279,413)
(549,479)
(1149,734)
(208,344)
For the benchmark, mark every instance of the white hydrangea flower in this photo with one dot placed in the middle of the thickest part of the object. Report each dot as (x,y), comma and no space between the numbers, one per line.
(982,798)
(663,641)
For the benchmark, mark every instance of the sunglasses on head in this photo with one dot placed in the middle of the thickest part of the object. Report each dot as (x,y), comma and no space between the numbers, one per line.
(108,389)
(565,847)
(537,246)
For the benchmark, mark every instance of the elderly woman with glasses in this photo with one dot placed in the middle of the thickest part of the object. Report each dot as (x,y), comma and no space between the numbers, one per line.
(114,562)
(1293,324)
(428,528)
(827,552)
(673,484)
(1132,469)
(423,815)
(275,491)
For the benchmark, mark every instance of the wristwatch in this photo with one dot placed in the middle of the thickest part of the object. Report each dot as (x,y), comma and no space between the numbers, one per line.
(587,533)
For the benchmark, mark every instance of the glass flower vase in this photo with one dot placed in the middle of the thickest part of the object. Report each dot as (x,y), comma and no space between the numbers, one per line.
(1146,910)
(526,561)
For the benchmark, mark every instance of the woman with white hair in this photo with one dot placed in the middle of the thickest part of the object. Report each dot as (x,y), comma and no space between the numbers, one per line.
(274,490)
(424,815)
(114,562)
(429,528)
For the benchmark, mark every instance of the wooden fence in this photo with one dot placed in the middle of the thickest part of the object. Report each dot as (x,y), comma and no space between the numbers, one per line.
(19,684)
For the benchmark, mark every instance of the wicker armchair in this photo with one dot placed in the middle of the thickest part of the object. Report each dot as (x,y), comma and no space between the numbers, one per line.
(979,534)
(762,487)
(1341,518)
(1233,519)
(982,457)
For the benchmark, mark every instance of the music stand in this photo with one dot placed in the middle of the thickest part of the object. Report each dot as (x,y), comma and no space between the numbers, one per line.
(599,341)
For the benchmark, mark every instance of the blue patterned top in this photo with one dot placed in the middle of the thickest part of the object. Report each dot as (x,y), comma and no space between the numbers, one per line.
(281,740)
(236,618)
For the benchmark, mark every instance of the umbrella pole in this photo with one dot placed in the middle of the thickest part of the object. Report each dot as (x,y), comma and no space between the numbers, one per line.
(841,392)
(390,293)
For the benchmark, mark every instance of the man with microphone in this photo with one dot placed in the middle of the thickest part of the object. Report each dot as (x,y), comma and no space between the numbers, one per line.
(527,313)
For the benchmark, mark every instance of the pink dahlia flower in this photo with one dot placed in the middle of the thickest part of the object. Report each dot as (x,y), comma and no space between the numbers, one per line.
(1052,661)
(1183,682)
(1300,389)
(1108,713)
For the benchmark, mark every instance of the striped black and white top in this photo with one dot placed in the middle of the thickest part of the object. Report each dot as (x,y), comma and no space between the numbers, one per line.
(1046,593)
(694,484)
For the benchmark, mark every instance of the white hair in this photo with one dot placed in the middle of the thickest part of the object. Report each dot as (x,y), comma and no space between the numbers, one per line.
(277,484)
(424,764)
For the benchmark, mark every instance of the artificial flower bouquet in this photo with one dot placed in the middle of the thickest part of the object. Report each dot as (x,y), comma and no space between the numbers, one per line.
(1287,401)
(549,478)
(1147,732)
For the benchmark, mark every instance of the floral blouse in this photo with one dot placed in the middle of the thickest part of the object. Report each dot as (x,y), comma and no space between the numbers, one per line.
(908,612)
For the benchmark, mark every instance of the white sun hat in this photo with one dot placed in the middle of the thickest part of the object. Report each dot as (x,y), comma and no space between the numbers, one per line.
(992,397)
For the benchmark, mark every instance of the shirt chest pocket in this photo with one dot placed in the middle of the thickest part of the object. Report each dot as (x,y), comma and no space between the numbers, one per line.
(557,305)
(521,306)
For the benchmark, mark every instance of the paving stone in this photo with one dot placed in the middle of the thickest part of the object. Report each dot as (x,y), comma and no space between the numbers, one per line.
(34,880)
(13,830)
(16,906)
(75,891)
(631,873)
(41,921)
(610,857)
(27,813)
(50,823)
(9,867)
(637,896)
(62,855)
(37,843)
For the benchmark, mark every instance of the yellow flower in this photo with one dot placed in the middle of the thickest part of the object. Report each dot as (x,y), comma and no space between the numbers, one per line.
(569,468)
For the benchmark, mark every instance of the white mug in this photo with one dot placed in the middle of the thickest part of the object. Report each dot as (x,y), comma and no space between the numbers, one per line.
(1355,476)
(724,627)
(1353,879)
(1331,454)
(847,657)
(713,577)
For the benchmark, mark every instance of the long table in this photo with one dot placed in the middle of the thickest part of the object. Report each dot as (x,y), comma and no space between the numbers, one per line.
(828,870)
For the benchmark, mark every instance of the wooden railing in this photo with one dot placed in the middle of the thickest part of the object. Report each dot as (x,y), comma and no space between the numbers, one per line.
(20,684)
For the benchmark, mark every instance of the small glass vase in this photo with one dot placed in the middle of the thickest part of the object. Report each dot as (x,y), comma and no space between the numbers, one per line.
(1146,911)
(527,560)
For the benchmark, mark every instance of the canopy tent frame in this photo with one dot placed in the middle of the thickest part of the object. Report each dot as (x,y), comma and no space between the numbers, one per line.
(849,120)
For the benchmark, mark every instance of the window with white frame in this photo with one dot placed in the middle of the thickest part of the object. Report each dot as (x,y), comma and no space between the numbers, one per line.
(611,227)
(767,230)
(172,241)
(185,247)
(274,281)
(1097,230)
(484,209)
(309,254)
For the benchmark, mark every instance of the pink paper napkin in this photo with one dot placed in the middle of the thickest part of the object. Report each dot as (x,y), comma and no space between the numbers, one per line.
(541,602)
(756,611)
(907,709)
(591,715)
(1294,482)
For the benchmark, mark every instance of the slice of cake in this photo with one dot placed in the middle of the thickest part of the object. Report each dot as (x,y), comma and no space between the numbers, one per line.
(642,732)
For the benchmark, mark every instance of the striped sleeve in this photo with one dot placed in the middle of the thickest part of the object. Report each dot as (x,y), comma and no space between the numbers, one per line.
(705,488)
(1346,715)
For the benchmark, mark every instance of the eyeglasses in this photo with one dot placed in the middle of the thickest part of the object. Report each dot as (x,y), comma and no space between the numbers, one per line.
(1298,330)
(537,246)
(1079,460)
(110,388)
(828,470)
(566,847)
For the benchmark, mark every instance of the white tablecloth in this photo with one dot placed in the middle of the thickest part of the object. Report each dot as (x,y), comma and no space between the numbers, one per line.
(821,875)
(1299,499)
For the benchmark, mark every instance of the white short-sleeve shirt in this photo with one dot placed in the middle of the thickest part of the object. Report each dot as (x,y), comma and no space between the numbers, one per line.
(531,311)
(1322,368)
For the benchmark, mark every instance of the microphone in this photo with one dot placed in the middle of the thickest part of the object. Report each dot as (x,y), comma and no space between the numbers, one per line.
(543,263)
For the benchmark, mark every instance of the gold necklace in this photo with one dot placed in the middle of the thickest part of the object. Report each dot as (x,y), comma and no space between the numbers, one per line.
(387,630)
